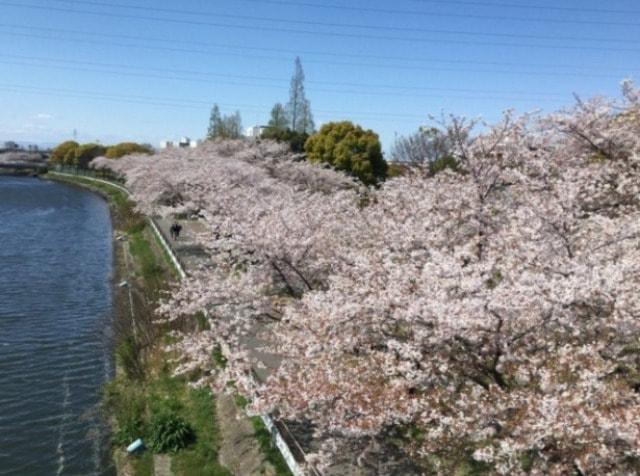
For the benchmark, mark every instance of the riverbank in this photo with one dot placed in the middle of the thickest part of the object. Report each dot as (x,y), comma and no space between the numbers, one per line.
(144,391)
(23,163)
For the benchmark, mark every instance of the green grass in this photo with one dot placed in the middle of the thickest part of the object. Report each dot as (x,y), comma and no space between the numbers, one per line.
(118,197)
(127,400)
(151,270)
(142,464)
(202,457)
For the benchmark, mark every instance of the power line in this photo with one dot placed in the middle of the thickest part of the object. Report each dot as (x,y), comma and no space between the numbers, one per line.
(125,68)
(525,6)
(243,48)
(185,103)
(195,104)
(389,11)
(254,85)
(349,64)
(316,33)
(404,28)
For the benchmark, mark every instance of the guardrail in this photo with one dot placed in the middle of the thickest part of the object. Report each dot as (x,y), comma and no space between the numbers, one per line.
(84,172)
(295,459)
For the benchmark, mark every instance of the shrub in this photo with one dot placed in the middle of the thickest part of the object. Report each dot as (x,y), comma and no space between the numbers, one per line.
(443,163)
(127,148)
(348,147)
(296,140)
(86,153)
(60,153)
(169,432)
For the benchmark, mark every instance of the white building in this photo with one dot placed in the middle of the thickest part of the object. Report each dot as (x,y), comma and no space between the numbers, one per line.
(255,132)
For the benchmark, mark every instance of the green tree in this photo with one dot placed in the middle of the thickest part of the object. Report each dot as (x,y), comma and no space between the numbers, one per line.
(127,148)
(227,127)
(216,126)
(299,108)
(296,140)
(59,154)
(86,153)
(278,119)
(348,147)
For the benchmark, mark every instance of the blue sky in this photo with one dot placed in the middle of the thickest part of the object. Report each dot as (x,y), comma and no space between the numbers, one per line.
(148,70)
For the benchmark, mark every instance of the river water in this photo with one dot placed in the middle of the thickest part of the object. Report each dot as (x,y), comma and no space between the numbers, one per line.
(55,320)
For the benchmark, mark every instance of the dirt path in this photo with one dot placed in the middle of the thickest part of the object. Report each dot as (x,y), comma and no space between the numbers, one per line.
(239,451)
(162,465)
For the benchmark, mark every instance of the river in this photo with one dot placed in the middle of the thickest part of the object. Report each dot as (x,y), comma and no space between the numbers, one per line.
(56,266)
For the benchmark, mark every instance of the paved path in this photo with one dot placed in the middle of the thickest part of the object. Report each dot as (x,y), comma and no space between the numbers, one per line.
(239,452)
(186,247)
(191,255)
(162,465)
(233,426)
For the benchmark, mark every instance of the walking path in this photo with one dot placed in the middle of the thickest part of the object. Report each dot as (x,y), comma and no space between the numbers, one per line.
(162,465)
(293,439)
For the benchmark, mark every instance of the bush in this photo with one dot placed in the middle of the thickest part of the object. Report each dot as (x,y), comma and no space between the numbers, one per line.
(87,152)
(169,432)
(296,140)
(348,147)
(60,153)
(447,162)
(127,148)
(396,169)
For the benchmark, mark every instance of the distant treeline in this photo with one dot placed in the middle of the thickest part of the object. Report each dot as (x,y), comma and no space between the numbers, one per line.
(79,155)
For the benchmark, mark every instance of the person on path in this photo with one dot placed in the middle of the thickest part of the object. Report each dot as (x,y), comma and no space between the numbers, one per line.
(175,230)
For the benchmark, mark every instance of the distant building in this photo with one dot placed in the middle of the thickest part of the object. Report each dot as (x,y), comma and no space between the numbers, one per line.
(183,143)
(10,145)
(255,132)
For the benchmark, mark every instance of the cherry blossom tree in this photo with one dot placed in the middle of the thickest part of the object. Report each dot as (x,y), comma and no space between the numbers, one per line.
(490,314)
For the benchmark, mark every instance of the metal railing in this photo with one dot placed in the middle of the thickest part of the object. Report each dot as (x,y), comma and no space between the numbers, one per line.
(77,171)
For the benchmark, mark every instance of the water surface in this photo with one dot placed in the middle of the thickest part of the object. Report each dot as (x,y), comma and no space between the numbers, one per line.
(55,319)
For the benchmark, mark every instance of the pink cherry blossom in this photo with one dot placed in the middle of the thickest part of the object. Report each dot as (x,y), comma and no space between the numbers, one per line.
(493,312)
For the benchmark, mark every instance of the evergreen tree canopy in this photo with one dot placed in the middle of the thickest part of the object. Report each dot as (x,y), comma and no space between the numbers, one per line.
(348,147)
(299,108)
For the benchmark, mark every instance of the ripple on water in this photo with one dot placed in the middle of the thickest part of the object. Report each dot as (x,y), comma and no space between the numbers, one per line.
(55,304)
